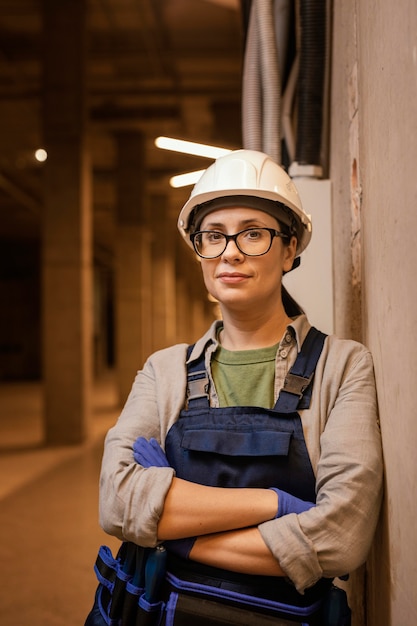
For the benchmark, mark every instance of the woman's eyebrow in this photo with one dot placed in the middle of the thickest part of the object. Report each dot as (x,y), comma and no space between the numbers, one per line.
(243,223)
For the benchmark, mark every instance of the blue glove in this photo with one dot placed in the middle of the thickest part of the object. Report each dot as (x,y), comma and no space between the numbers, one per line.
(149,453)
(290,504)
(180,547)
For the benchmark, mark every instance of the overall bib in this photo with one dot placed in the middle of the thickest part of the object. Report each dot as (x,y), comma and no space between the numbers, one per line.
(225,447)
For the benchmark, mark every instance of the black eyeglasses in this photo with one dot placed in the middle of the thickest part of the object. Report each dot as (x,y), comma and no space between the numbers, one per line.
(210,244)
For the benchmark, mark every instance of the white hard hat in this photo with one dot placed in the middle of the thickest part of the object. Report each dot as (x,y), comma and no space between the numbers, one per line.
(246,178)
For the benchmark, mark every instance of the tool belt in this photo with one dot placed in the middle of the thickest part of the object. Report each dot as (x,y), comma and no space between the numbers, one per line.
(191,594)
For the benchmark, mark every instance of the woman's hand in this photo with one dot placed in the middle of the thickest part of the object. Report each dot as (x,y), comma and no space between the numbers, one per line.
(149,453)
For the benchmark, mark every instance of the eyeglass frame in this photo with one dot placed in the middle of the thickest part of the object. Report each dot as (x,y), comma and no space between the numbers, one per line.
(272,231)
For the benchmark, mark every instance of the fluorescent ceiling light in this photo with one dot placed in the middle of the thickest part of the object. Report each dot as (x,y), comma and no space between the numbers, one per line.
(182,180)
(190,147)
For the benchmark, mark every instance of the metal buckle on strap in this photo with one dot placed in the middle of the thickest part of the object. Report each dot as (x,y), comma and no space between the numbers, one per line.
(296,384)
(198,387)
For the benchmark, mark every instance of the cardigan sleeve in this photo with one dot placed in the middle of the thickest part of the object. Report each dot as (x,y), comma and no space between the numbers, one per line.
(131,497)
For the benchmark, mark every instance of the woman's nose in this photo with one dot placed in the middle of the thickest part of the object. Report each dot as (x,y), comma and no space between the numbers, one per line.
(231,251)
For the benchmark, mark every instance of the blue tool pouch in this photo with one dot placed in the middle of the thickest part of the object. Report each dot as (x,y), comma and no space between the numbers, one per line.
(121,597)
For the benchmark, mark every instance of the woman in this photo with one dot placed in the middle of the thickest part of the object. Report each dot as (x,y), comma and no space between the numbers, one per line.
(271,482)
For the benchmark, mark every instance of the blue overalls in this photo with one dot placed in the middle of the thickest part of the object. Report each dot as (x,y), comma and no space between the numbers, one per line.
(226,447)
(247,447)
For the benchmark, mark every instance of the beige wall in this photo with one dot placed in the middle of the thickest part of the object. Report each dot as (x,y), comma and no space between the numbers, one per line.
(374,175)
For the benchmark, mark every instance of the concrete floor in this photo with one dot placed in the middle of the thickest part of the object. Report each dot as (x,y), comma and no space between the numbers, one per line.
(48,512)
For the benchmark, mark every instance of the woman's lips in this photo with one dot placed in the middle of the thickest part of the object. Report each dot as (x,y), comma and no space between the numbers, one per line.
(232,278)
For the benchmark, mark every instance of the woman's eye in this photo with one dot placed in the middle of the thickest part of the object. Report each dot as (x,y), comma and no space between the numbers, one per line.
(214,237)
(254,234)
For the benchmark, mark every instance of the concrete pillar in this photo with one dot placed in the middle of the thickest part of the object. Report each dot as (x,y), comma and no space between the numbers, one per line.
(183,310)
(184,259)
(163,273)
(66,258)
(132,262)
(195,311)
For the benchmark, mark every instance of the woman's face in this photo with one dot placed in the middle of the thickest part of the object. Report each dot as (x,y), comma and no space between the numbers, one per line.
(239,281)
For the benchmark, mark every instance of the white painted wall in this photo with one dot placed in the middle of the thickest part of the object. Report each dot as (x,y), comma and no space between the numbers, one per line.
(374,178)
(311,284)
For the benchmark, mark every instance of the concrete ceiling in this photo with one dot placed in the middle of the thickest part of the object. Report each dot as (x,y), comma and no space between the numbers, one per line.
(165,67)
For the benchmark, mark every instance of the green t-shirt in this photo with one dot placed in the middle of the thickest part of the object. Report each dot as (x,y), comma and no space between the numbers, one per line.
(245,377)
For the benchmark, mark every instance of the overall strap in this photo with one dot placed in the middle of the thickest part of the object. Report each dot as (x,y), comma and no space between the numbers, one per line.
(197,382)
(298,385)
